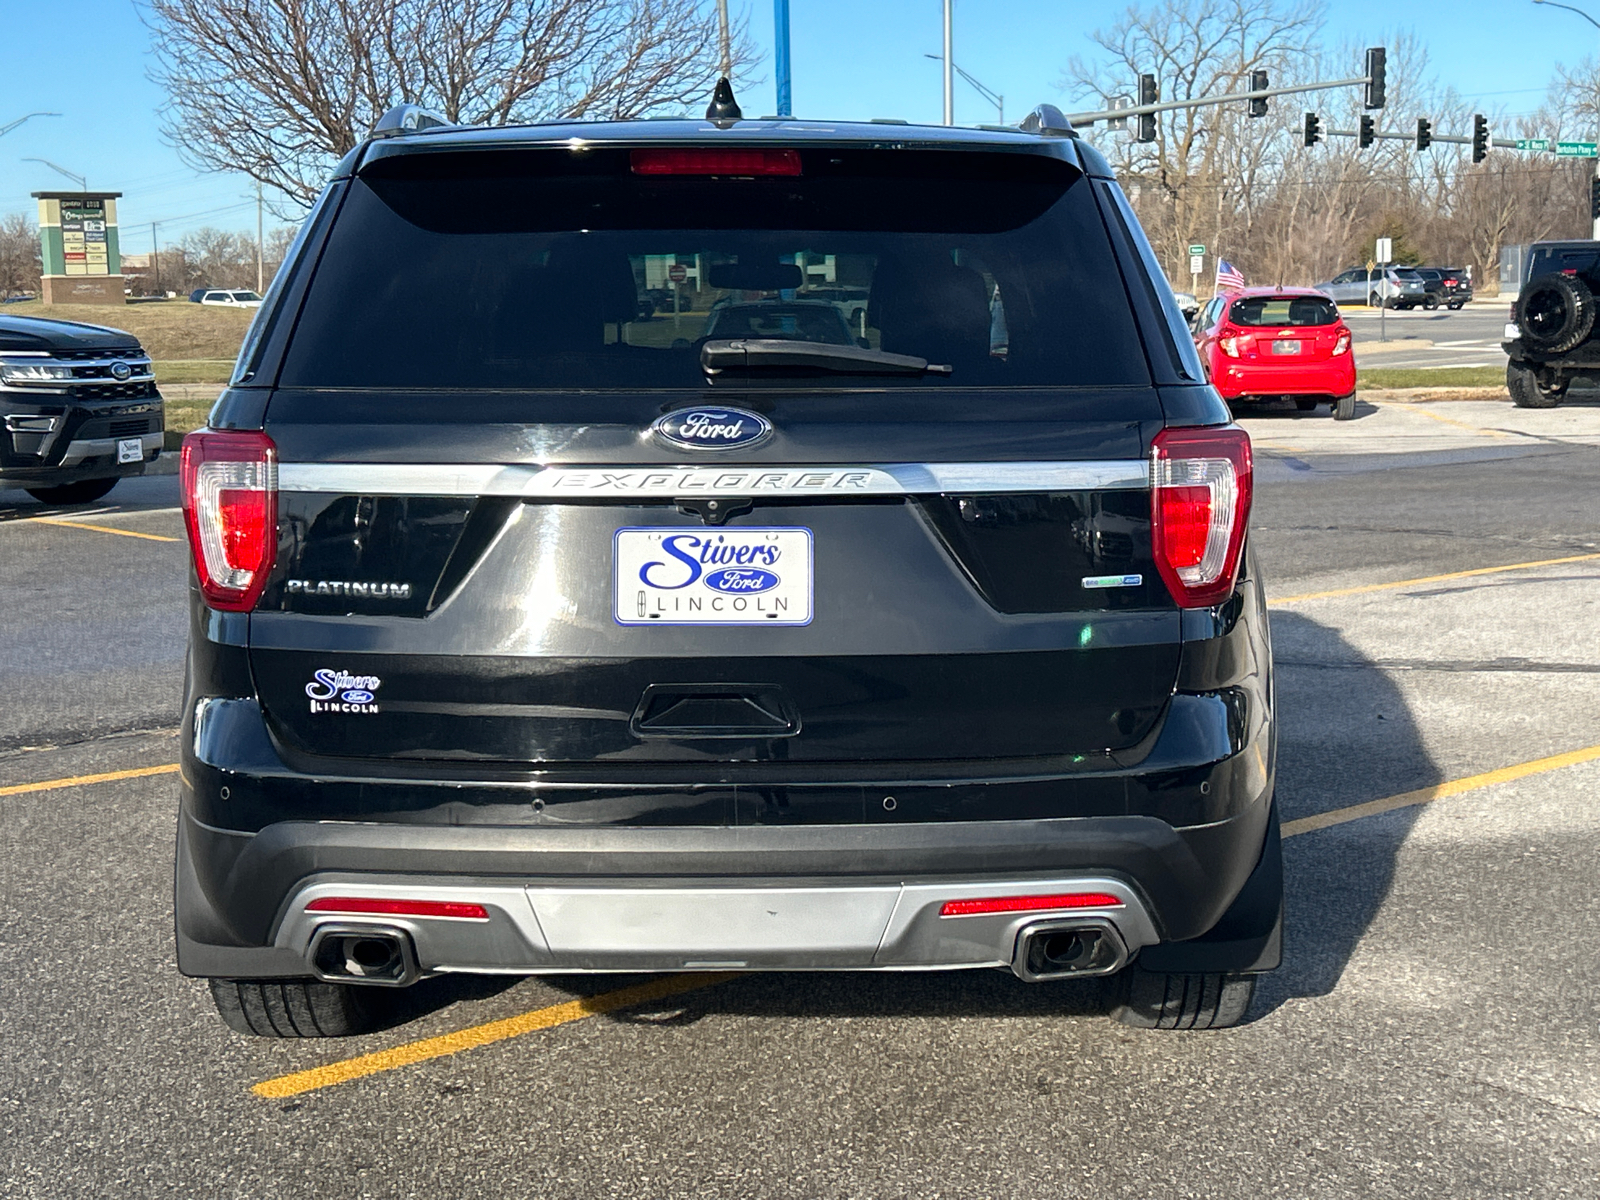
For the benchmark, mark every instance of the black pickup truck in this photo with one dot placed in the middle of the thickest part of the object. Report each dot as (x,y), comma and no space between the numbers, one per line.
(80,408)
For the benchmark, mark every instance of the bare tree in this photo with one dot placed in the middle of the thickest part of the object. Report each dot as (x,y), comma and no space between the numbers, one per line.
(19,256)
(281,89)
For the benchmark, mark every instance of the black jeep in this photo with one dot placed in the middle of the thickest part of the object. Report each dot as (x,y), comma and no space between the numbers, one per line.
(1551,336)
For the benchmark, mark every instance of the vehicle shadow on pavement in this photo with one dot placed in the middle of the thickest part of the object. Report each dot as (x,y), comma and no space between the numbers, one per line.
(1345,736)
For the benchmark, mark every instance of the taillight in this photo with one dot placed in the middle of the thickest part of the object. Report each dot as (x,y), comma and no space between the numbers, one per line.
(1230,346)
(230,506)
(1342,345)
(1200,488)
(718,161)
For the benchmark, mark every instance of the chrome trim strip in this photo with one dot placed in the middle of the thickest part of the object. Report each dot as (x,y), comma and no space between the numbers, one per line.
(77,451)
(536,482)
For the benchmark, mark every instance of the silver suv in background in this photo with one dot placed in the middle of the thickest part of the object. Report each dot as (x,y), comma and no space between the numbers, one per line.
(1392,287)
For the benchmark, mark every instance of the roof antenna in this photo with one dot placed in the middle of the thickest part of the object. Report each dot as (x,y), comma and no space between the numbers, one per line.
(723,106)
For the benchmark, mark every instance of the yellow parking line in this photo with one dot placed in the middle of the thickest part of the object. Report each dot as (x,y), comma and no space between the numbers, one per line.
(50,785)
(1383,587)
(483,1035)
(1433,416)
(153,537)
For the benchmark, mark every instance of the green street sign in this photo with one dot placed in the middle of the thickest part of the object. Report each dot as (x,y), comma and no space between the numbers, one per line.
(1533,143)
(1197,249)
(1575,149)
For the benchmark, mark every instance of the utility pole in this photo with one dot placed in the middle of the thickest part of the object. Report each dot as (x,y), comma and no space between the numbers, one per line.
(780,56)
(259,249)
(949,63)
(155,257)
(1594,187)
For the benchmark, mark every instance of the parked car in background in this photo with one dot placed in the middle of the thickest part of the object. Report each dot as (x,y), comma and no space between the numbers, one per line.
(1189,306)
(80,409)
(1449,286)
(792,320)
(231,299)
(1263,343)
(1392,287)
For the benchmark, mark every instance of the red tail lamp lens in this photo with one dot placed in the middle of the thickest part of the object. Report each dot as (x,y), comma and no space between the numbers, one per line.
(1016,904)
(1200,490)
(229,482)
(374,906)
(748,162)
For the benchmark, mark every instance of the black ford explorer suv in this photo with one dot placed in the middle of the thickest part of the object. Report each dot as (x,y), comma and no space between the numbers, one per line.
(530,636)
(80,409)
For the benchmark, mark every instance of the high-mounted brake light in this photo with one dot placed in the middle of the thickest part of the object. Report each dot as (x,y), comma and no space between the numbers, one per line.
(230,507)
(376,906)
(1018,904)
(1200,491)
(730,161)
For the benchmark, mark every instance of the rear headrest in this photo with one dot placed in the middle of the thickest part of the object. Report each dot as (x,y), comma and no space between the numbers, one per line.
(931,308)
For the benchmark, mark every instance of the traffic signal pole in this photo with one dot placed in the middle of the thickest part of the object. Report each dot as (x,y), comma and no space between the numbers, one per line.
(1137,110)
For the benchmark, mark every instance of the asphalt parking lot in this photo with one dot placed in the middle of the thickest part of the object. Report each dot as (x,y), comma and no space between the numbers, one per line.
(1434,572)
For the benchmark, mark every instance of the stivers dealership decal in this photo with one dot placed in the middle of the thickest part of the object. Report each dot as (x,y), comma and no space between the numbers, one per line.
(341,692)
(678,576)
(712,428)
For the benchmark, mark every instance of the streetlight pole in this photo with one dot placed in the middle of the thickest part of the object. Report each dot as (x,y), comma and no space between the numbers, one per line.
(5,129)
(1595,231)
(949,63)
(989,94)
(83,183)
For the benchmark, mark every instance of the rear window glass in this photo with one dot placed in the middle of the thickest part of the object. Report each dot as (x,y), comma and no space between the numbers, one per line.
(1574,261)
(1283,310)
(560,269)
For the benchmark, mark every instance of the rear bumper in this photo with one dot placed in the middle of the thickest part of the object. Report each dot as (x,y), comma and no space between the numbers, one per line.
(1331,378)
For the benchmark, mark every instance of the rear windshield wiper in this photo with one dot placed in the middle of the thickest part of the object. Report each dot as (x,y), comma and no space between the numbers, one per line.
(750,354)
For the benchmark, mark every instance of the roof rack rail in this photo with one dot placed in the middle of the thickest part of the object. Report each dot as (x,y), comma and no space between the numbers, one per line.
(1048,121)
(406,118)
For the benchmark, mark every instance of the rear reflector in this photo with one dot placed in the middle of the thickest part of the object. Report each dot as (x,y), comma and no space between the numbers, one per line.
(716,162)
(1015,904)
(1200,490)
(229,481)
(373,906)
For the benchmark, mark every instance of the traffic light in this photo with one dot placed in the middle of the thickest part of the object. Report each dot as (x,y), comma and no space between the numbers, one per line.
(1424,133)
(1313,129)
(1258,83)
(1480,138)
(1375,77)
(1367,134)
(1594,199)
(1147,121)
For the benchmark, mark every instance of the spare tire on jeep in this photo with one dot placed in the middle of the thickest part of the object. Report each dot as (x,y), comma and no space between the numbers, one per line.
(1556,313)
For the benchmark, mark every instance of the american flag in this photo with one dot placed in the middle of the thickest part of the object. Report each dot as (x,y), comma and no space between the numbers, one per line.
(1228,277)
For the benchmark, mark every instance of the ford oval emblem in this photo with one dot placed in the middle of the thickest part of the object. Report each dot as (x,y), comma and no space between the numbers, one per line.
(357,696)
(121,371)
(741,581)
(712,428)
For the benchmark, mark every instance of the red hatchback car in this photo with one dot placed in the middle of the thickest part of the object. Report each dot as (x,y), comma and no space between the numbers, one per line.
(1263,343)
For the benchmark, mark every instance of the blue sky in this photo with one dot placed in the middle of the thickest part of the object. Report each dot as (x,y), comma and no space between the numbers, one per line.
(852,59)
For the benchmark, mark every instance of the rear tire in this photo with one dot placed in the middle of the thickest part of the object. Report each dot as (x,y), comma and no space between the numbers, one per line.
(294,1008)
(1374,301)
(1431,303)
(1155,1000)
(85,491)
(1344,408)
(1527,392)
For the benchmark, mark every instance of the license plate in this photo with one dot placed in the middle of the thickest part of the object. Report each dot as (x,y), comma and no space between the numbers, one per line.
(130,450)
(1286,346)
(712,576)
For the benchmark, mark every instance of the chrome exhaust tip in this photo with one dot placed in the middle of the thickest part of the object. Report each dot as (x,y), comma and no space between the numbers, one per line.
(358,953)
(1068,949)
